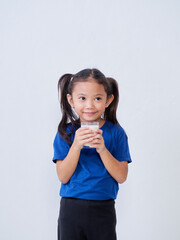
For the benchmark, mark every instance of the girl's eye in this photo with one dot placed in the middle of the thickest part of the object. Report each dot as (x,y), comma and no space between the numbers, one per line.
(82,98)
(98,99)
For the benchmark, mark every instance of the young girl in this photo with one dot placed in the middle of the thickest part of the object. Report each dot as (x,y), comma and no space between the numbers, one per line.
(89,176)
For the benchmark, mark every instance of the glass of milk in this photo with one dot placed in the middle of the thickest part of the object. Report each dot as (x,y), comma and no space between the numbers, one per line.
(91,125)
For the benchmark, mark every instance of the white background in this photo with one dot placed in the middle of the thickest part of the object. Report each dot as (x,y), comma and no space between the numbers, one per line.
(137,43)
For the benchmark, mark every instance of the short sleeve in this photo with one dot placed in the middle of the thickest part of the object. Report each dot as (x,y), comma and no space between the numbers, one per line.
(121,152)
(61,148)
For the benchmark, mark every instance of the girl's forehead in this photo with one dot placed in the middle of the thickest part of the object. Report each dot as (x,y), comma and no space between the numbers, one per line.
(88,86)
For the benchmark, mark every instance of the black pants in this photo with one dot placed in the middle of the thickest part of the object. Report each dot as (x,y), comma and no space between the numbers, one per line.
(86,220)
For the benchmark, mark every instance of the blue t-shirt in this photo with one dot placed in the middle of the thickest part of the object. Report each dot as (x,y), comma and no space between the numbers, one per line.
(91,180)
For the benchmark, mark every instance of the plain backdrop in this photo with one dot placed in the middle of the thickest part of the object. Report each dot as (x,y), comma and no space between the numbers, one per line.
(137,43)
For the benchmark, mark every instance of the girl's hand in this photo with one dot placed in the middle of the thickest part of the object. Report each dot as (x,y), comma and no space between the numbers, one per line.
(98,141)
(83,136)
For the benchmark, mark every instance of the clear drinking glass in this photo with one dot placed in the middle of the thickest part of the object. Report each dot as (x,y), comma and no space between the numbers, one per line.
(92,125)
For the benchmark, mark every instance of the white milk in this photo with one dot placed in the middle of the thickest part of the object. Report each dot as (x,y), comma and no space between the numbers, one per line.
(91,125)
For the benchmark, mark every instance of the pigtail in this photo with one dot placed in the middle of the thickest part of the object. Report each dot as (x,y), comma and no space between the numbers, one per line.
(110,112)
(67,113)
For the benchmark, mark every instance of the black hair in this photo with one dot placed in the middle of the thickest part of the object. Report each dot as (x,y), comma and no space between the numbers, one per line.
(66,85)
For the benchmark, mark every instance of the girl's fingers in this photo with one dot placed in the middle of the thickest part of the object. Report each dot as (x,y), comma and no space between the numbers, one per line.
(97,140)
(98,136)
(84,130)
(99,131)
(87,141)
(87,136)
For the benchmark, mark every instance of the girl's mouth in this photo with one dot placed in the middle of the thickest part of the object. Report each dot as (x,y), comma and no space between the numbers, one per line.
(89,113)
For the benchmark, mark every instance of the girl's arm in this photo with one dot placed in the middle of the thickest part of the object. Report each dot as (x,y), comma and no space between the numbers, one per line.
(65,168)
(118,170)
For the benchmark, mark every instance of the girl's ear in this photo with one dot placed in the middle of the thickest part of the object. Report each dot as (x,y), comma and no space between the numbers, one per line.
(109,100)
(70,100)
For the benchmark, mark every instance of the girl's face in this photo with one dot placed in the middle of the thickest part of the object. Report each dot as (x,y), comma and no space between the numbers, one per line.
(89,100)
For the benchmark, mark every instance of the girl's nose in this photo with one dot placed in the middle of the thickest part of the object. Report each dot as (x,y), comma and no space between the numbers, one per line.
(89,104)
